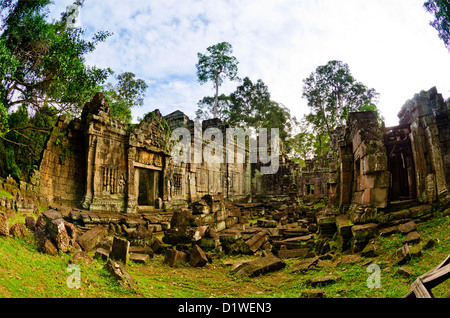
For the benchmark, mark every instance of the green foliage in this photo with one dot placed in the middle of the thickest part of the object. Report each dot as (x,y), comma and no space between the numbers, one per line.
(332,92)
(440,9)
(126,94)
(42,62)
(217,65)
(205,108)
(250,106)
(22,145)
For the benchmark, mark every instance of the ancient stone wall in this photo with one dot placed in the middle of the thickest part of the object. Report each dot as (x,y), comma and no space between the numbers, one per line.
(63,164)
(428,118)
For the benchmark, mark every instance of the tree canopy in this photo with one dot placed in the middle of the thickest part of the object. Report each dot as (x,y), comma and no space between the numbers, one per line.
(250,106)
(440,9)
(43,63)
(128,93)
(217,65)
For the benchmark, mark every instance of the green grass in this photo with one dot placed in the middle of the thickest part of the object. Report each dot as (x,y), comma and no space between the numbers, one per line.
(25,272)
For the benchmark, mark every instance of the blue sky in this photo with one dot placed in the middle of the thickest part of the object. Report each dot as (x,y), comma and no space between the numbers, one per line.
(388,45)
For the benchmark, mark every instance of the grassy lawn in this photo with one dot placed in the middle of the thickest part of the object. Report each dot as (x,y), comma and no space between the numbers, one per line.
(25,272)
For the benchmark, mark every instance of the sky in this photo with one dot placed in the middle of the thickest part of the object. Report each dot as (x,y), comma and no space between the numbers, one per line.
(388,45)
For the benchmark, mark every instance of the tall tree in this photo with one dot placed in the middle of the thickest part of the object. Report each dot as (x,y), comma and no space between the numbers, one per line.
(128,93)
(217,65)
(332,92)
(440,9)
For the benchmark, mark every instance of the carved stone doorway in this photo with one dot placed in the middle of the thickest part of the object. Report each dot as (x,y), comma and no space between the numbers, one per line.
(400,163)
(149,186)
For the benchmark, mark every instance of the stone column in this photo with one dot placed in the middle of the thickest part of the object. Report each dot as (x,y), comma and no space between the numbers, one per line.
(90,171)
(131,187)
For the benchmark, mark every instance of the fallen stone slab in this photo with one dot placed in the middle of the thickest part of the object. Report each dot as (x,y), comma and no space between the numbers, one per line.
(197,258)
(323,280)
(411,238)
(90,239)
(141,250)
(256,241)
(174,257)
(402,255)
(292,253)
(102,254)
(81,258)
(267,223)
(407,227)
(364,232)
(259,266)
(313,293)
(294,232)
(140,258)
(118,271)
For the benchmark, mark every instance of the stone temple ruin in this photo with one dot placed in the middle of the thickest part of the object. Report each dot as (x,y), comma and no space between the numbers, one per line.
(111,178)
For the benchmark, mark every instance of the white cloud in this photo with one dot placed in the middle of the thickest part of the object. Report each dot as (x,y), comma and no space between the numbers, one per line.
(388,45)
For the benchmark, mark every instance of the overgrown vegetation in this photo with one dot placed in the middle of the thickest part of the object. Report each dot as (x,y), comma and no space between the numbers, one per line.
(25,272)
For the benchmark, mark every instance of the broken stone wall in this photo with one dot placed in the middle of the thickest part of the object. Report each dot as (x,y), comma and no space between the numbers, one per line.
(427,115)
(62,165)
(362,156)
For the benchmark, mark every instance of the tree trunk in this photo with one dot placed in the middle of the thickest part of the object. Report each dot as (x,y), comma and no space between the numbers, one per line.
(216,99)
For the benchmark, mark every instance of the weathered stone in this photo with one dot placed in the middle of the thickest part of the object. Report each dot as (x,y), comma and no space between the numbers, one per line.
(256,241)
(420,211)
(372,249)
(120,250)
(46,246)
(407,227)
(181,218)
(402,255)
(404,272)
(174,257)
(141,236)
(389,231)
(298,252)
(313,293)
(30,223)
(4,225)
(323,280)
(18,230)
(305,264)
(197,257)
(102,254)
(200,207)
(81,257)
(344,226)
(364,232)
(259,266)
(90,239)
(267,223)
(118,271)
(411,238)
(140,258)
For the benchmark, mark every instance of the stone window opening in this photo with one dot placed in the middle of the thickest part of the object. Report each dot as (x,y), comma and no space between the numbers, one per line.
(310,189)
(177,187)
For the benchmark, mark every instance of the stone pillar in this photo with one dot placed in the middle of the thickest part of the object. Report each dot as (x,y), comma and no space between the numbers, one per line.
(131,186)
(90,171)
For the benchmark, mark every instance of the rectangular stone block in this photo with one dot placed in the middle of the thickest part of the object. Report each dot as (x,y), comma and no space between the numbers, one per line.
(90,239)
(364,232)
(120,250)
